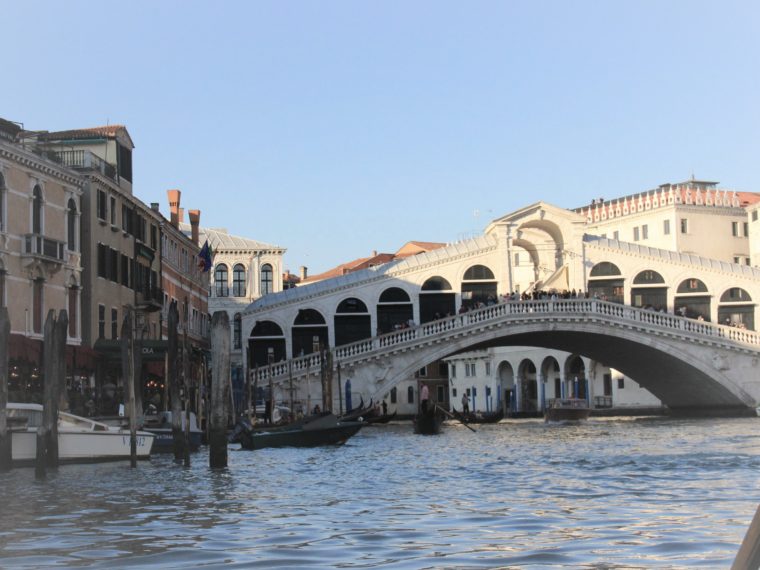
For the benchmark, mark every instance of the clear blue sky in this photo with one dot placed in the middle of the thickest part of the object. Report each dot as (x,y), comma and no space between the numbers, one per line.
(338,128)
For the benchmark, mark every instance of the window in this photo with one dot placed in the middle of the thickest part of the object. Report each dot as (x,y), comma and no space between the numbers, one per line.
(236,331)
(737,259)
(71,225)
(73,311)
(114,323)
(517,259)
(616,235)
(101,321)
(124,270)
(754,216)
(238,281)
(745,227)
(102,206)
(37,210)
(666,227)
(37,292)
(266,279)
(684,226)
(488,368)
(113,210)
(2,288)
(621,383)
(410,395)
(636,233)
(645,231)
(153,237)
(393,395)
(735,229)
(220,279)
(453,370)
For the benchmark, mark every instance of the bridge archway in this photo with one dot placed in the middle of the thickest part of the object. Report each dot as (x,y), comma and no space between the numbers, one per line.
(736,308)
(649,290)
(309,331)
(266,335)
(394,308)
(437,299)
(352,321)
(606,282)
(478,286)
(693,299)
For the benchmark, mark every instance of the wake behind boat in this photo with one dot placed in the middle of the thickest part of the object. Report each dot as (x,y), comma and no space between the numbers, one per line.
(566,410)
(80,440)
(313,431)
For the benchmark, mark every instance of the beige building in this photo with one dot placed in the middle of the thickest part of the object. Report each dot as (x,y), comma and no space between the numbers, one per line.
(40,259)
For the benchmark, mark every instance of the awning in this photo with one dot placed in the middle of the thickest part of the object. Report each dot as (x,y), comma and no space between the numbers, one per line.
(21,347)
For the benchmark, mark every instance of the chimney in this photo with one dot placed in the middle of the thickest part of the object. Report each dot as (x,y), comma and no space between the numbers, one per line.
(154,206)
(181,215)
(174,196)
(302,271)
(374,253)
(195,220)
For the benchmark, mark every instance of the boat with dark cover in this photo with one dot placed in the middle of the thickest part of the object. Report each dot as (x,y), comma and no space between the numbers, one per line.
(312,431)
(567,410)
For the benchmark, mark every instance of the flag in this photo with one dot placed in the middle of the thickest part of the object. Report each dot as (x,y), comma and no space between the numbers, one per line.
(204,257)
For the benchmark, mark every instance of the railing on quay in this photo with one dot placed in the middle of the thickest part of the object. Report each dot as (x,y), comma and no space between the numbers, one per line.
(493,313)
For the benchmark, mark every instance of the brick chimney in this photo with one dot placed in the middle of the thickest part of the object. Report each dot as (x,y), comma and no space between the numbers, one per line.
(302,271)
(174,196)
(181,215)
(195,220)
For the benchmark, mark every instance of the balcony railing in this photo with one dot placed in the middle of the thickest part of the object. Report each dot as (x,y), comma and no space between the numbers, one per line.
(83,159)
(150,298)
(36,245)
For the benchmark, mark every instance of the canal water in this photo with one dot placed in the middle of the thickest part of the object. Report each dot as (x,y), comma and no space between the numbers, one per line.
(609,493)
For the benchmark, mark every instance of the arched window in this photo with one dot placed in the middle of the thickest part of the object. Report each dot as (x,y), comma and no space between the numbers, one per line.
(238,280)
(237,327)
(71,219)
(37,210)
(266,279)
(735,295)
(648,277)
(477,272)
(351,305)
(220,279)
(394,295)
(604,269)
(692,286)
(436,284)
(73,294)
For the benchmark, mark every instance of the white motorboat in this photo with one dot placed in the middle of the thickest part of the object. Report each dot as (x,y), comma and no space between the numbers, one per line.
(567,410)
(80,440)
(160,424)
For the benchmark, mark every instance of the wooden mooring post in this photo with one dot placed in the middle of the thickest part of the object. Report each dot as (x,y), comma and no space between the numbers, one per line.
(54,370)
(174,385)
(128,376)
(6,444)
(220,388)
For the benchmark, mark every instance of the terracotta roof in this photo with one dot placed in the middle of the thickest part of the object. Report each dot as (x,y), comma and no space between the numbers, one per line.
(748,198)
(351,266)
(107,131)
(415,247)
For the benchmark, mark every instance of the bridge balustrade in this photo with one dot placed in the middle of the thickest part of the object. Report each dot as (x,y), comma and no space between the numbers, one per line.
(408,336)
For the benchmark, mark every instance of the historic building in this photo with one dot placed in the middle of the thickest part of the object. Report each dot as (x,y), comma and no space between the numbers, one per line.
(40,254)
(539,250)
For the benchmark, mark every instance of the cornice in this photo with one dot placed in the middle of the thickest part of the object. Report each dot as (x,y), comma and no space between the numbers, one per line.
(30,160)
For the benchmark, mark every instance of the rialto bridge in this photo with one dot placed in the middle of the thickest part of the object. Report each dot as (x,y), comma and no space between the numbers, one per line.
(653,314)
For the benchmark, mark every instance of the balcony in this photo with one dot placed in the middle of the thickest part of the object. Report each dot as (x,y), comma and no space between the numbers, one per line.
(149,299)
(83,159)
(43,249)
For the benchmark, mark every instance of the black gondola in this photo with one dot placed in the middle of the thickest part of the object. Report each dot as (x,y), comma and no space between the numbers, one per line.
(383,419)
(428,422)
(313,431)
(478,417)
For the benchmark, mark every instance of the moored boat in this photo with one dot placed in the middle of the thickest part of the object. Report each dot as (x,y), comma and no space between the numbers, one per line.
(381,419)
(428,422)
(567,410)
(478,417)
(160,425)
(80,440)
(313,431)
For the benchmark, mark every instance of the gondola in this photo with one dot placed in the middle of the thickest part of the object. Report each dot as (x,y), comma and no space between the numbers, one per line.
(478,417)
(313,431)
(358,412)
(428,422)
(383,419)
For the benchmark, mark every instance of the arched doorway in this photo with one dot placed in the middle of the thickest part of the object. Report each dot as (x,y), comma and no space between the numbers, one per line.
(550,372)
(649,291)
(437,300)
(309,332)
(506,386)
(528,398)
(352,322)
(736,309)
(394,309)
(692,300)
(478,286)
(576,385)
(265,335)
(605,282)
